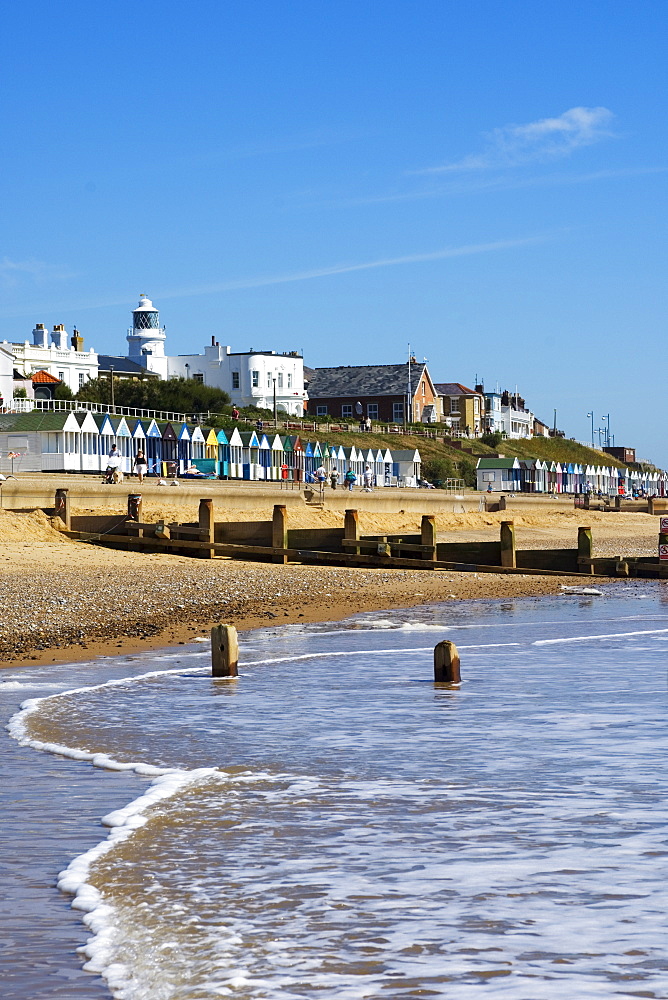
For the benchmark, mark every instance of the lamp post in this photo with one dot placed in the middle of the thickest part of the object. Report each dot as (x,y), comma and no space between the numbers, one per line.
(606,417)
(111,380)
(274,381)
(187,366)
(592,427)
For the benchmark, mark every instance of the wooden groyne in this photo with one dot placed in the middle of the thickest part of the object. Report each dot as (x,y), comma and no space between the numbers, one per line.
(274,541)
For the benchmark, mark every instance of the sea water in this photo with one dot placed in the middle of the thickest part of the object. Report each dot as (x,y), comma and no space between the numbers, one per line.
(332,824)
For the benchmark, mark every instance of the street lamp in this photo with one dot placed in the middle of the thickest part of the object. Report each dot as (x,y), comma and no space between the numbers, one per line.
(187,371)
(592,427)
(111,380)
(606,417)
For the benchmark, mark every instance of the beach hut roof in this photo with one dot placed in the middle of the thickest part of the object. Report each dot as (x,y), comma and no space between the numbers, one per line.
(153,431)
(221,437)
(86,422)
(211,437)
(197,435)
(498,463)
(249,439)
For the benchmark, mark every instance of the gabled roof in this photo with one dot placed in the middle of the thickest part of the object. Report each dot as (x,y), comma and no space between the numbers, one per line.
(365,380)
(453,389)
(44,377)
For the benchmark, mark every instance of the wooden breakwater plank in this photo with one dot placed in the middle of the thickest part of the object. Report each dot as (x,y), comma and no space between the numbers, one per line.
(311,556)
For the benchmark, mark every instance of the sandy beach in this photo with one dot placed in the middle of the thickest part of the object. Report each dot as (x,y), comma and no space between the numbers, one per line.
(67,600)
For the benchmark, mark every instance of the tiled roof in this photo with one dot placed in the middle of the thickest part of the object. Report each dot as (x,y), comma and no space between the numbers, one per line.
(364,380)
(43,376)
(452,389)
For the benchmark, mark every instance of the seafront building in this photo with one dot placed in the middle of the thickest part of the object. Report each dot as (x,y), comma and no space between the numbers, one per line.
(261,378)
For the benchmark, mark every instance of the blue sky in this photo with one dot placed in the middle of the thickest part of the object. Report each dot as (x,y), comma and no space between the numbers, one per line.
(483,181)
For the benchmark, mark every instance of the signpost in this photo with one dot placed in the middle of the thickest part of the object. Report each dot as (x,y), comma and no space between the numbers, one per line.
(663,539)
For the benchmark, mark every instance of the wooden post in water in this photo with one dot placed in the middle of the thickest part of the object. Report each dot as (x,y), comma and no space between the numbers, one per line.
(508,556)
(62,507)
(446,663)
(279,532)
(428,536)
(585,551)
(224,651)
(206,526)
(351,531)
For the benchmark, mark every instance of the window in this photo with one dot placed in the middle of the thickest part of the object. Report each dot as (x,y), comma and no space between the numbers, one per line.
(424,387)
(289,380)
(198,377)
(61,376)
(236,380)
(82,378)
(476,405)
(488,477)
(372,411)
(269,380)
(280,380)
(454,404)
(397,412)
(321,411)
(255,379)
(347,411)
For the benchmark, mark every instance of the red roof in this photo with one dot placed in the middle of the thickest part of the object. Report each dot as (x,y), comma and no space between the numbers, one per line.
(43,376)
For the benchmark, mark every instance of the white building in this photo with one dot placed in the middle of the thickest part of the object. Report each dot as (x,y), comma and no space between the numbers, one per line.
(251,378)
(65,361)
(506,412)
(6,376)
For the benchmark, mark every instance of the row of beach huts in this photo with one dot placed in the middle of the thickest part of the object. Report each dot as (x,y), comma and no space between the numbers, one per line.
(532,475)
(80,441)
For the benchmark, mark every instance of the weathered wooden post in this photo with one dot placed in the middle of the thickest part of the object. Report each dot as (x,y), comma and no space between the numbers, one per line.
(351,531)
(134,506)
(224,651)
(508,555)
(279,532)
(585,551)
(618,502)
(446,663)
(206,526)
(161,530)
(62,507)
(428,536)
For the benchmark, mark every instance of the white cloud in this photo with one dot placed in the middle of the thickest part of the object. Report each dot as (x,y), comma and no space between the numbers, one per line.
(11,271)
(539,141)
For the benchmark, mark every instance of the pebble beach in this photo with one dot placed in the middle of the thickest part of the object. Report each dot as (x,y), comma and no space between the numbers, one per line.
(68,600)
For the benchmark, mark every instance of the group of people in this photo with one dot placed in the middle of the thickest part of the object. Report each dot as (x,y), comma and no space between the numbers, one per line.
(114,461)
(350,478)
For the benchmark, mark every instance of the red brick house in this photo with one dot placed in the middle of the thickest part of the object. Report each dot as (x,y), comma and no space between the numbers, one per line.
(376,392)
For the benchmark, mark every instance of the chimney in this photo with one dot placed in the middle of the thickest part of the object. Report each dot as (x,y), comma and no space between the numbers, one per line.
(213,341)
(40,335)
(59,337)
(77,340)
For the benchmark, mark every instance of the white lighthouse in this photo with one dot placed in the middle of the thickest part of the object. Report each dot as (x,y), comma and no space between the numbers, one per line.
(146,339)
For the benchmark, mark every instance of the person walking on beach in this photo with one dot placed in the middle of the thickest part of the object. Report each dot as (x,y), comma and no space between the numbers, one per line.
(113,464)
(321,478)
(368,479)
(333,478)
(350,479)
(140,465)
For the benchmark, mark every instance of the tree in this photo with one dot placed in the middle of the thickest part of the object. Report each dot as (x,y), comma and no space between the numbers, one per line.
(63,391)
(178,394)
